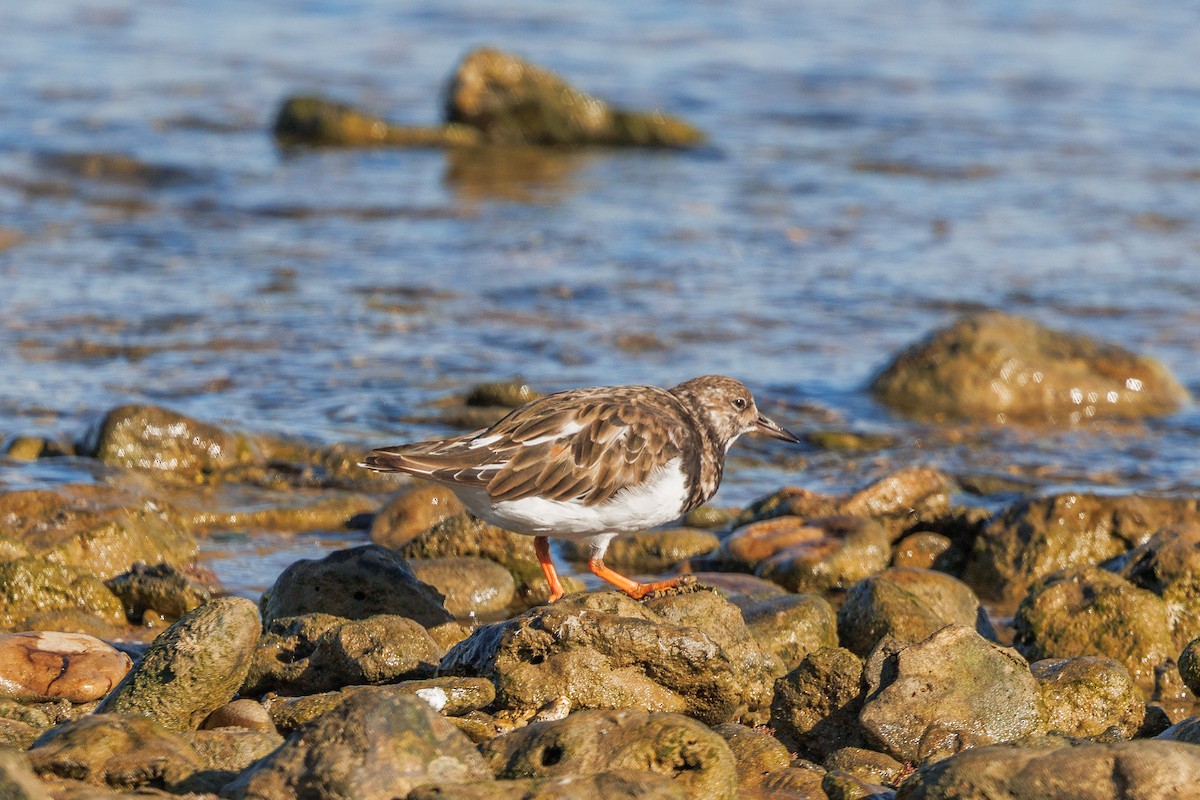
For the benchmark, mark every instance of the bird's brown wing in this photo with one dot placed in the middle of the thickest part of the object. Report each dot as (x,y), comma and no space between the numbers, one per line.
(582,445)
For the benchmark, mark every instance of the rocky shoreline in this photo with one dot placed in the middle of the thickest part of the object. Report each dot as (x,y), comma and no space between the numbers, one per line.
(895,641)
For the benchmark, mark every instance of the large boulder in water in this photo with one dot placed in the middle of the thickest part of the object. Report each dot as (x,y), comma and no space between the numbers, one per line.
(998,367)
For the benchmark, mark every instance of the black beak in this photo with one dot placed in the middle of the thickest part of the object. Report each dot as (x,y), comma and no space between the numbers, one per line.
(766,426)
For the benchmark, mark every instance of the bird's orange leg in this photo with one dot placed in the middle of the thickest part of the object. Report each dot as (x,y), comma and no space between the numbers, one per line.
(541,546)
(628,585)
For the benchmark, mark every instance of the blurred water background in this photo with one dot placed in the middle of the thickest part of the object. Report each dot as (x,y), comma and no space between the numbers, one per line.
(875,169)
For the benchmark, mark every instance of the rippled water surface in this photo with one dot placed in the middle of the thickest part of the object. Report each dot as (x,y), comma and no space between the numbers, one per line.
(875,169)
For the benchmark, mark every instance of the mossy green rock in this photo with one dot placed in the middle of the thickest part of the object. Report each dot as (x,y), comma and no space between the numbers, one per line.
(31,586)
(1168,564)
(162,588)
(998,367)
(115,750)
(192,668)
(1089,698)
(588,742)
(1087,611)
(375,745)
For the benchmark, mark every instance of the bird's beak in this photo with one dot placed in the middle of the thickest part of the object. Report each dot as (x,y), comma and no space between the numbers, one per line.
(766,426)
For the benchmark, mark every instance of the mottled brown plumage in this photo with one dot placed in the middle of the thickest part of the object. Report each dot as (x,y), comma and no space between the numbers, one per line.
(582,457)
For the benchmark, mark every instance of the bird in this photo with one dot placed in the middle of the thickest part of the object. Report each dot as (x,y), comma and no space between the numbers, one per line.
(590,464)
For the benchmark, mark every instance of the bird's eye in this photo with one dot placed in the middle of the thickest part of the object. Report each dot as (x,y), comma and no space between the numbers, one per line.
(739,403)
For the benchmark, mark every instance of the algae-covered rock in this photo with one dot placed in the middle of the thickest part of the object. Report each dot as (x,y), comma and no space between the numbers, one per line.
(1168,564)
(994,366)
(756,752)
(192,668)
(790,625)
(605,650)
(616,784)
(354,583)
(225,753)
(589,742)
(162,588)
(471,585)
(1146,769)
(1089,697)
(448,695)
(816,705)
(909,605)
(30,587)
(319,653)
(1036,537)
(514,102)
(375,745)
(867,765)
(17,778)
(952,691)
(115,750)
(1088,611)
(319,122)
(48,664)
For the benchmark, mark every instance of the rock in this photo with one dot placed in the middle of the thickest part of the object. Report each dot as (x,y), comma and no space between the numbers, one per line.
(792,783)
(757,754)
(1186,730)
(513,102)
(841,785)
(1089,698)
(790,625)
(899,501)
(208,509)
(1189,666)
(123,752)
(162,588)
(412,511)
(952,691)
(816,705)
(376,745)
(472,586)
(30,587)
(249,714)
(96,527)
(588,742)
(909,605)
(463,535)
(226,752)
(319,653)
(318,122)
(605,650)
(1146,769)
(505,394)
(997,367)
(73,666)
(1088,611)
(449,696)
(840,552)
(354,583)
(1036,537)
(738,587)
(923,550)
(17,781)
(1168,564)
(650,551)
(867,765)
(168,444)
(192,668)
(710,518)
(618,784)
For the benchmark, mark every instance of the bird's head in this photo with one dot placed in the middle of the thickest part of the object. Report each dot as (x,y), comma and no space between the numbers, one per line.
(729,408)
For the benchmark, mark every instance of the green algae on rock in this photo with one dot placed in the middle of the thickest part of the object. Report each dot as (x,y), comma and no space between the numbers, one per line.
(30,587)
(997,367)
(319,122)
(1089,697)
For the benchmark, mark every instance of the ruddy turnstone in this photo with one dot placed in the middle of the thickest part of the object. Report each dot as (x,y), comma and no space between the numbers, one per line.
(589,464)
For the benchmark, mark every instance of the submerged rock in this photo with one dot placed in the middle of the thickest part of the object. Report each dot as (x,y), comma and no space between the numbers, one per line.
(1087,611)
(1036,537)
(589,742)
(320,652)
(354,583)
(1146,769)
(319,122)
(998,367)
(192,668)
(606,650)
(375,745)
(909,605)
(952,691)
(48,664)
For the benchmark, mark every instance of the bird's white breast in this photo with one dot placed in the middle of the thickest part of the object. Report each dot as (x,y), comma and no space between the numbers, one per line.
(658,499)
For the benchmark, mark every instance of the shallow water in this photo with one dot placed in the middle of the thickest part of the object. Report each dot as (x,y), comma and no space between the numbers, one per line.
(874,171)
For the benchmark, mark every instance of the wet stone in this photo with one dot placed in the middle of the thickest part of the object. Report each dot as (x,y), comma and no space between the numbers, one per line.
(162,588)
(1168,564)
(1189,666)
(907,604)
(588,742)
(842,552)
(867,765)
(650,550)
(354,583)
(790,625)
(412,511)
(472,586)
(242,713)
(17,779)
(816,705)
(49,664)
(447,695)
(952,691)
(617,784)
(31,587)
(923,550)
(226,752)
(1089,697)
(757,753)
(192,668)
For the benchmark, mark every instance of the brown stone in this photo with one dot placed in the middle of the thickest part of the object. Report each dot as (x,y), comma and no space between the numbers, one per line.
(73,666)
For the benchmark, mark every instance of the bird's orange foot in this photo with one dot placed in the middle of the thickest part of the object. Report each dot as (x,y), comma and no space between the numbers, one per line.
(631,587)
(541,546)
